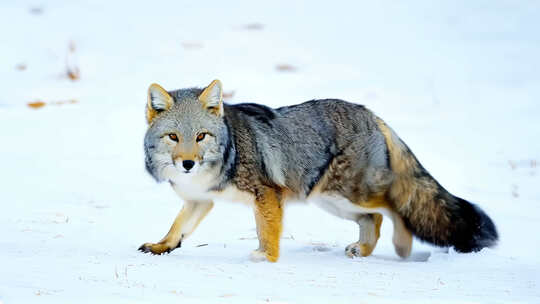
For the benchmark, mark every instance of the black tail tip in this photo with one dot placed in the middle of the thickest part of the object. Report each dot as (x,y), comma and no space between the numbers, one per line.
(474,230)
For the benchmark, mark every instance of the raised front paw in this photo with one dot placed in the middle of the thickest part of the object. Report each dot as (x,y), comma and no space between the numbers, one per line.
(158,248)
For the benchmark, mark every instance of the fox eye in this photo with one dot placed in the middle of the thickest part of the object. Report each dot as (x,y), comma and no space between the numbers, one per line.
(201,136)
(173,137)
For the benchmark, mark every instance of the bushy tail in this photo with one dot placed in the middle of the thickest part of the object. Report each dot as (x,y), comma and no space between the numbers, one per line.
(428,210)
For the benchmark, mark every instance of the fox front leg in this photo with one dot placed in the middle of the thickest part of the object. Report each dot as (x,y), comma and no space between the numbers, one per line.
(268,216)
(185,223)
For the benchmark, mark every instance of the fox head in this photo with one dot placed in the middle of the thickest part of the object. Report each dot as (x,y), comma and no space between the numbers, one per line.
(186,134)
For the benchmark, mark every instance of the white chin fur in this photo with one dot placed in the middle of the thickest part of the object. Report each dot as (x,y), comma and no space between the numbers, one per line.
(180,175)
(169,172)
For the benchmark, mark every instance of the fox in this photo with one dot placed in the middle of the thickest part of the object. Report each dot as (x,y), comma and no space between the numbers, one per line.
(337,154)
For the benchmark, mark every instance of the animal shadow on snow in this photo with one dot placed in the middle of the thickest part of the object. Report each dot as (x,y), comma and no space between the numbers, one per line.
(416,256)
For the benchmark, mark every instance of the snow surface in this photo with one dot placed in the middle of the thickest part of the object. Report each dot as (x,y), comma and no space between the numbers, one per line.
(458,81)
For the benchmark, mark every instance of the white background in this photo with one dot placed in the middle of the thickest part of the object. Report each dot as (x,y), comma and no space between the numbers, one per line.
(458,81)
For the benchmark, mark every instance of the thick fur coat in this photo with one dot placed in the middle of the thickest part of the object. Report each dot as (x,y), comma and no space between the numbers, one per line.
(337,154)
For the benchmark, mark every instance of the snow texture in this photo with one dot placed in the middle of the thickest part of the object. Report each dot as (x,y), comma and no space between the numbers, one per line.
(459,81)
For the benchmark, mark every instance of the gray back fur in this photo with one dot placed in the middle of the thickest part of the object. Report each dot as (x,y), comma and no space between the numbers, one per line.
(297,143)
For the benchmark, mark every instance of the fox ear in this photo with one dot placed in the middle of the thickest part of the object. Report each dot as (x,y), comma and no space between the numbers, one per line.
(212,98)
(158,101)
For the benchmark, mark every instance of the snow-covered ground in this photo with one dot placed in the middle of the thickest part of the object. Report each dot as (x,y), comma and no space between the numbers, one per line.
(459,81)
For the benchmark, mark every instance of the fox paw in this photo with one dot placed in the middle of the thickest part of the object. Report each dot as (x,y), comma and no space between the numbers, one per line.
(156,248)
(261,256)
(257,256)
(358,250)
(403,251)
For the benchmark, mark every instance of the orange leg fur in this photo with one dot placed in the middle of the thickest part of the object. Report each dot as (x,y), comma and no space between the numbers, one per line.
(186,221)
(268,216)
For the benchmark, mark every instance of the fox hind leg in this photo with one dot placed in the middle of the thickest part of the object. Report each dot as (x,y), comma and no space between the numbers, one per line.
(402,237)
(186,221)
(370,231)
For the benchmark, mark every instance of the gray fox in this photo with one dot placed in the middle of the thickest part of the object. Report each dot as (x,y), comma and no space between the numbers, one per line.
(336,154)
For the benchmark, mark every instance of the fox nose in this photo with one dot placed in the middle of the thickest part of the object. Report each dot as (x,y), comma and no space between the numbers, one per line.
(188,164)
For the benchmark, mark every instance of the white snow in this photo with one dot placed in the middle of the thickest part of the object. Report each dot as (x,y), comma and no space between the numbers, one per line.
(459,81)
